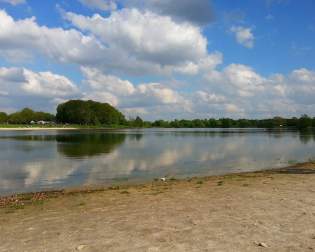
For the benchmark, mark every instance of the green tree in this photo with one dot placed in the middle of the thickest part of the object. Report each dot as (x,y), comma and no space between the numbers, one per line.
(3,117)
(138,122)
(304,122)
(89,113)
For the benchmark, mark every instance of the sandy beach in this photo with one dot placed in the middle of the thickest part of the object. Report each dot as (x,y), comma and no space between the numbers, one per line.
(261,211)
(35,128)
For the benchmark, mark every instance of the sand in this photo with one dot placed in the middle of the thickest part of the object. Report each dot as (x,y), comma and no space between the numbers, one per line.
(262,211)
(35,129)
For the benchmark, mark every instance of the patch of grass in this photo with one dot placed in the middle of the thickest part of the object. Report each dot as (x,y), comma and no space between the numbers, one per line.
(245,185)
(200,182)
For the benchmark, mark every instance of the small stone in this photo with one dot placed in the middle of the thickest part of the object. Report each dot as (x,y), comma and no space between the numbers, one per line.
(80,247)
(163,179)
(261,244)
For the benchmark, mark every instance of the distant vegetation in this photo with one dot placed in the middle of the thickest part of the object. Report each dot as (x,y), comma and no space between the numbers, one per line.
(25,116)
(301,123)
(91,113)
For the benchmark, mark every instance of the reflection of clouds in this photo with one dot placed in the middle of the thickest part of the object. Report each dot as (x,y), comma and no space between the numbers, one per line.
(46,171)
(147,157)
(34,175)
(126,164)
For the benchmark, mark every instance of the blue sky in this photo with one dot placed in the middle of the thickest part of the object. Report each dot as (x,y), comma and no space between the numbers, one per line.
(160,59)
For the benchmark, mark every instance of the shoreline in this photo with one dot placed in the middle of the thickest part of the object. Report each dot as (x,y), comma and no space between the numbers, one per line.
(46,194)
(36,128)
(253,211)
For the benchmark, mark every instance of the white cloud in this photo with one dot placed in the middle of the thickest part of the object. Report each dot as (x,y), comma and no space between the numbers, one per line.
(62,45)
(98,81)
(237,78)
(243,35)
(20,87)
(128,41)
(102,96)
(13,2)
(205,64)
(129,97)
(232,108)
(104,5)
(145,36)
(210,98)
(47,84)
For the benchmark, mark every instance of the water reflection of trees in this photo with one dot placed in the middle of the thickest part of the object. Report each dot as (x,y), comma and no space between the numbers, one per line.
(79,144)
(306,136)
(87,145)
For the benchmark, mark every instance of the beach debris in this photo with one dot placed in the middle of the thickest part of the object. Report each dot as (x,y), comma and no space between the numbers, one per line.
(261,244)
(163,179)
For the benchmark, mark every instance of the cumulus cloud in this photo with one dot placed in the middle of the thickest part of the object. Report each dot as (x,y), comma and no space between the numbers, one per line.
(128,41)
(47,84)
(62,45)
(146,36)
(104,5)
(243,35)
(263,96)
(210,98)
(99,81)
(301,86)
(198,11)
(237,78)
(126,95)
(20,85)
(205,64)
(13,2)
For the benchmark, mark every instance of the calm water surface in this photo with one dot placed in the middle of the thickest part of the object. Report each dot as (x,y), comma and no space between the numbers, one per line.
(44,160)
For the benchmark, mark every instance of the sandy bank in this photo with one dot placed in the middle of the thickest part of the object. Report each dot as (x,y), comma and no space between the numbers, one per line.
(261,211)
(37,128)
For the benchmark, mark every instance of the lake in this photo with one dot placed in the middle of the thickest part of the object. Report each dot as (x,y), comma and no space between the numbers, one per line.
(46,160)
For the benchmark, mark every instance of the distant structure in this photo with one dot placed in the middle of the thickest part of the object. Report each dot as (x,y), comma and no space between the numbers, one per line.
(41,122)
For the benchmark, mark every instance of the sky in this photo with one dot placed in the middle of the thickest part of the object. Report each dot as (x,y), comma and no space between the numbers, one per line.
(160,59)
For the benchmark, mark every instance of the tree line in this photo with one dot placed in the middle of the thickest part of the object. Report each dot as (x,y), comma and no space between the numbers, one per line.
(301,123)
(93,113)
(25,116)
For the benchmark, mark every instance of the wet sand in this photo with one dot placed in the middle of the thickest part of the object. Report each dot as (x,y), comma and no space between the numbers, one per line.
(260,211)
